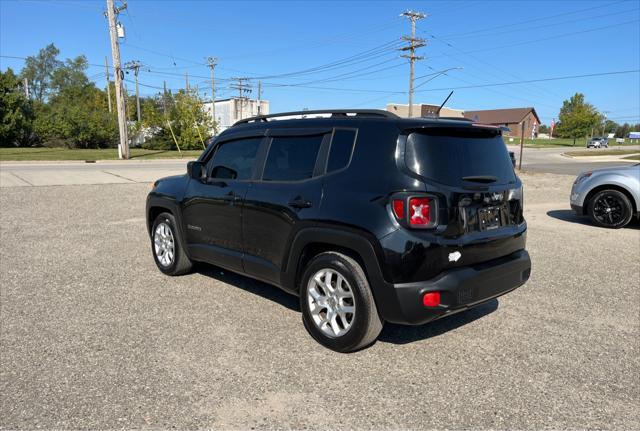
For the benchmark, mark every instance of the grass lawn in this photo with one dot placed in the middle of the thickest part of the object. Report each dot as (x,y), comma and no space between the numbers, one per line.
(599,152)
(559,142)
(20,154)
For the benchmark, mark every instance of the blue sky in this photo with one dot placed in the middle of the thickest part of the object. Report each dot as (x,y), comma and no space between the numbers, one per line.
(493,42)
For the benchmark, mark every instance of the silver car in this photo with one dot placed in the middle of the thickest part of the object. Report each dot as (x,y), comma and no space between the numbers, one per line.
(609,196)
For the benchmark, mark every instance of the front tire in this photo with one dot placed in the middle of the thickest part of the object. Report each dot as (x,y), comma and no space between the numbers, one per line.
(610,208)
(338,309)
(166,246)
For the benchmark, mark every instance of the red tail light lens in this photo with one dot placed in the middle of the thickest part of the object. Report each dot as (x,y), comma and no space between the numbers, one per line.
(420,211)
(398,208)
(431,299)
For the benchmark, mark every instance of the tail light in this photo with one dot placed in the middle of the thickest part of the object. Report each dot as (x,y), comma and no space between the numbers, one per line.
(420,211)
(398,208)
(431,299)
(417,212)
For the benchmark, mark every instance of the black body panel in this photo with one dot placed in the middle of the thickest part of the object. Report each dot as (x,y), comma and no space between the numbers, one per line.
(266,229)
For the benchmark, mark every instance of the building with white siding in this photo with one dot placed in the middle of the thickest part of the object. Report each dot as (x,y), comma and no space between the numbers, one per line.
(228,111)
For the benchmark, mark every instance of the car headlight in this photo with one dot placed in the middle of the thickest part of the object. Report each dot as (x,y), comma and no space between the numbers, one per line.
(583,176)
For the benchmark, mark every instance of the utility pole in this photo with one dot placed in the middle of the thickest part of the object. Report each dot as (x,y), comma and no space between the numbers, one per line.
(186,77)
(164,99)
(259,97)
(604,125)
(26,87)
(414,43)
(135,66)
(212,61)
(242,90)
(521,144)
(112,13)
(106,69)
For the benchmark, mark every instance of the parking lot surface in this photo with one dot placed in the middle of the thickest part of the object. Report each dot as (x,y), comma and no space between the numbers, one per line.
(94,336)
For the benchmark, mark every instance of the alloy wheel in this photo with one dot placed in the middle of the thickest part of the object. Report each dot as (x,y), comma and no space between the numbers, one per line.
(331,302)
(164,244)
(609,210)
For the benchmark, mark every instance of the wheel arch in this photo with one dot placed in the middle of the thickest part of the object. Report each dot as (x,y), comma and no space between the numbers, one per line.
(360,246)
(617,187)
(156,205)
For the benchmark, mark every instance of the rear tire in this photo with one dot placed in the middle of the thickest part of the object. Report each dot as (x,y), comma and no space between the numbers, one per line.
(610,208)
(338,309)
(166,246)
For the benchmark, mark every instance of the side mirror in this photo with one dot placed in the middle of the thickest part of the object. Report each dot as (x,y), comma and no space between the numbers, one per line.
(195,170)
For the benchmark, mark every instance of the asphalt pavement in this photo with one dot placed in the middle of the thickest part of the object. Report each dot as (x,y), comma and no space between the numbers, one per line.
(93,336)
(551,160)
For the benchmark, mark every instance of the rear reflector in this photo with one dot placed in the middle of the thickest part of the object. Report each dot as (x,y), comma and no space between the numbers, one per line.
(398,208)
(419,211)
(431,299)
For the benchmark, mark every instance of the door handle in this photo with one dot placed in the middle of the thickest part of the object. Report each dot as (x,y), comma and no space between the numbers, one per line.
(300,202)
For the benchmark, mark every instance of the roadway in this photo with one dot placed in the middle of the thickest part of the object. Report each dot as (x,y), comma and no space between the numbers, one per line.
(24,174)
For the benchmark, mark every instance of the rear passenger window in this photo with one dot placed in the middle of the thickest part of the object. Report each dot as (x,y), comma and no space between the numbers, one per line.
(292,158)
(341,149)
(234,160)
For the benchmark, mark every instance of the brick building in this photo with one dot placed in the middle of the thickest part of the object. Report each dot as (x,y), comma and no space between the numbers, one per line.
(511,118)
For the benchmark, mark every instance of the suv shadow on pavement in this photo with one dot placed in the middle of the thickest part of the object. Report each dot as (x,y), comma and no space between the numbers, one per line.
(251,285)
(392,333)
(571,217)
(401,334)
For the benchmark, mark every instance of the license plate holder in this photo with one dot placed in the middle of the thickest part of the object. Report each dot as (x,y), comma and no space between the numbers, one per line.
(489,218)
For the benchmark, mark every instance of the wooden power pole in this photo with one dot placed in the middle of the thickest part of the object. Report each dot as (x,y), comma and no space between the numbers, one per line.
(135,66)
(212,61)
(242,90)
(112,12)
(414,43)
(106,69)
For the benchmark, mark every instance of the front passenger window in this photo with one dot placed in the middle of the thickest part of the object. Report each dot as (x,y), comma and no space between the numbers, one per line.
(234,160)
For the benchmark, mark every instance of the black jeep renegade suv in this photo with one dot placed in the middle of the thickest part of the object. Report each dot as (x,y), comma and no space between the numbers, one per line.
(366,216)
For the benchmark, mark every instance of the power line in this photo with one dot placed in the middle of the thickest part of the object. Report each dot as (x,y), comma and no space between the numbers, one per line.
(573,33)
(545,25)
(543,18)
(557,78)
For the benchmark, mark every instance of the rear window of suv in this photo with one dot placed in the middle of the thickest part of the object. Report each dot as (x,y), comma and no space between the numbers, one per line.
(446,155)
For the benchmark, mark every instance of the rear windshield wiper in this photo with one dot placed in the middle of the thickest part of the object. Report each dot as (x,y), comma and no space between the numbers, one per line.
(481,178)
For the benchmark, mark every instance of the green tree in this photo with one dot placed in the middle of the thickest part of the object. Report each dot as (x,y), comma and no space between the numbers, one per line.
(39,70)
(16,114)
(610,126)
(577,118)
(71,73)
(543,128)
(185,117)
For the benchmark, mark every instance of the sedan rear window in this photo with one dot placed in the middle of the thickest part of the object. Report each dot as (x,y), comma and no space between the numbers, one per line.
(457,156)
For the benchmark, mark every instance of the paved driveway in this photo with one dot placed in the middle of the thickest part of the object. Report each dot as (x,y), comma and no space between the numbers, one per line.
(94,336)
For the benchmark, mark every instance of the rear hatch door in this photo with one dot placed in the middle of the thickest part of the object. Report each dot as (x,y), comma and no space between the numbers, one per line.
(470,170)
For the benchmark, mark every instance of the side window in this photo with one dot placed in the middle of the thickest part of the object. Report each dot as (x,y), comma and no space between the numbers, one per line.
(292,158)
(234,159)
(341,149)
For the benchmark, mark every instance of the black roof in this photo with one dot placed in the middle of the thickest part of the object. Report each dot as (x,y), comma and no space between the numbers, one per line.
(344,114)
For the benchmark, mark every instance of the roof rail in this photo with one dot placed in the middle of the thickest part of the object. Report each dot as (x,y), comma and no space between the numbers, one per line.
(456,118)
(333,112)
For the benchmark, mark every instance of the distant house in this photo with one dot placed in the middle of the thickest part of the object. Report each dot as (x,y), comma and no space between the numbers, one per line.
(511,118)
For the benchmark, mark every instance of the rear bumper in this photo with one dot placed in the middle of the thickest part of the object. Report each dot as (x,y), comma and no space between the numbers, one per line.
(463,288)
